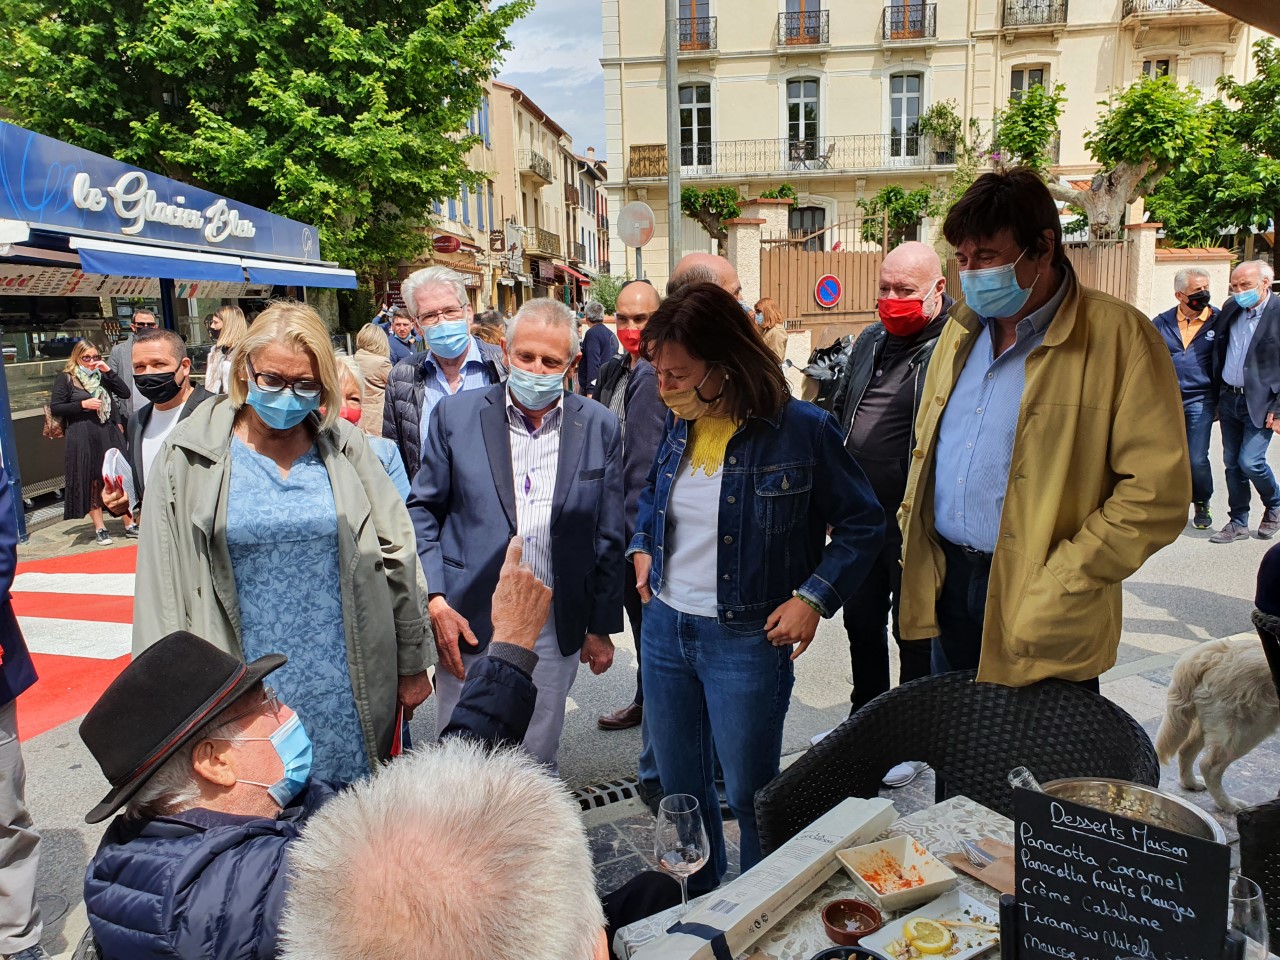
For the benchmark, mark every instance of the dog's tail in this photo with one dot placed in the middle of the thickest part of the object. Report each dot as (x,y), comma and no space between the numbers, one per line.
(1180,709)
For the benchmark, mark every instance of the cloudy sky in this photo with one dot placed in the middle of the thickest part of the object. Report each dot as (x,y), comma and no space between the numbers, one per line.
(556,61)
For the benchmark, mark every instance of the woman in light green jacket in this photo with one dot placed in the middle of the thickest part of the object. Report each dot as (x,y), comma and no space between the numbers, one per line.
(272,527)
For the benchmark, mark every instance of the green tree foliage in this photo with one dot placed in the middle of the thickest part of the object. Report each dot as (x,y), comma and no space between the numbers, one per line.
(783,191)
(348,114)
(605,289)
(966,145)
(1027,127)
(904,209)
(1233,179)
(711,207)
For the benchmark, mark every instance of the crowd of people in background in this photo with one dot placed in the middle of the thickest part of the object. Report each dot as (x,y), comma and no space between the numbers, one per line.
(488,495)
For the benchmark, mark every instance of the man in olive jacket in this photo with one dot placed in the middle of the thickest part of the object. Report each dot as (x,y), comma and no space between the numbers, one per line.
(1051,459)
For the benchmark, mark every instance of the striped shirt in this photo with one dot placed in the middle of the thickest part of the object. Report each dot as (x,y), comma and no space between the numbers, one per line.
(435,385)
(1242,331)
(535,461)
(977,432)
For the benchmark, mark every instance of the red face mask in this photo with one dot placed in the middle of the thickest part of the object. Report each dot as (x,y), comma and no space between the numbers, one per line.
(630,340)
(351,415)
(902,316)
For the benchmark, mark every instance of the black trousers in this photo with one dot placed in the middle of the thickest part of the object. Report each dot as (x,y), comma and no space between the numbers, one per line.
(634,606)
(866,617)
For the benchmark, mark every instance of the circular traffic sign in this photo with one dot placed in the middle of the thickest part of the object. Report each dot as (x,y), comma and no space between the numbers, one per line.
(828,291)
(635,224)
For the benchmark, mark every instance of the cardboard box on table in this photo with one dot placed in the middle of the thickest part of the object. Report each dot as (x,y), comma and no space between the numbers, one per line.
(745,909)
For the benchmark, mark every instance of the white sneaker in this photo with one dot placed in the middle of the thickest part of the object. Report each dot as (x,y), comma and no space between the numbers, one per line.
(817,738)
(904,773)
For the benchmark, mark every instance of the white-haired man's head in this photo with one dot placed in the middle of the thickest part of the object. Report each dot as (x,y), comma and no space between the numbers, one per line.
(450,853)
(546,311)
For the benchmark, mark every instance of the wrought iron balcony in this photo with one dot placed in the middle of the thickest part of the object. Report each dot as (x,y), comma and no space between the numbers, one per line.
(919,21)
(579,254)
(1034,13)
(1148,7)
(698,33)
(807,28)
(539,241)
(824,155)
(572,195)
(536,165)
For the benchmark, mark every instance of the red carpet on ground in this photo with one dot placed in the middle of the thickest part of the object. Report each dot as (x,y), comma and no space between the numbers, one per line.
(69,685)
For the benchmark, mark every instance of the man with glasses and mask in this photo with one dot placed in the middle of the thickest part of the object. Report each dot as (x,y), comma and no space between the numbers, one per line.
(1190,332)
(524,459)
(453,361)
(1248,369)
(1050,458)
(121,359)
(213,774)
(161,373)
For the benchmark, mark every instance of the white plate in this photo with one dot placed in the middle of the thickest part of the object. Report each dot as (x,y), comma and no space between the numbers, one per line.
(969,942)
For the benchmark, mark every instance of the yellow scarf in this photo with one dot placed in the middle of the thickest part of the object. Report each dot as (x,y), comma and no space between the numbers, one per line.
(708,439)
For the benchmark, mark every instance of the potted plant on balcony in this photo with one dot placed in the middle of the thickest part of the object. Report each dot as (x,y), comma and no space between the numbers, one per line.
(941,124)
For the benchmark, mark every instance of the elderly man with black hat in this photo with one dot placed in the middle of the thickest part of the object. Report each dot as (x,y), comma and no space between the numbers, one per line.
(212,773)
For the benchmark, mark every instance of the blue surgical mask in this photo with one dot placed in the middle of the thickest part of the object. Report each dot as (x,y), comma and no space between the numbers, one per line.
(293,747)
(448,338)
(535,390)
(759,318)
(994,291)
(280,411)
(1248,299)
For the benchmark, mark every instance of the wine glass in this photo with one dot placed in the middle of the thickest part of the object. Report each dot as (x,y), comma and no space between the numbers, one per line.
(680,840)
(1247,916)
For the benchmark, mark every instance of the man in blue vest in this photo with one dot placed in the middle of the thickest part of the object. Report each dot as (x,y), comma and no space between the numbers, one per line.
(20,924)
(1190,330)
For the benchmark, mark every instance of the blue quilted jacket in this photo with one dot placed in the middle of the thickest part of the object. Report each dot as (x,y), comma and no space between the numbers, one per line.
(203,885)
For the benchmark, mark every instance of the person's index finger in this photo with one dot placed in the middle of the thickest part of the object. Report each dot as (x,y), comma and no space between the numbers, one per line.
(515,552)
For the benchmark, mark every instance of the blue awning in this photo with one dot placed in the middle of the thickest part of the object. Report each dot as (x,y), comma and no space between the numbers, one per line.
(110,258)
(299,275)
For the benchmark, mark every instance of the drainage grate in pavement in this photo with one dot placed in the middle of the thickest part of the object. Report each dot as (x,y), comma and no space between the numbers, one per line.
(602,794)
(43,516)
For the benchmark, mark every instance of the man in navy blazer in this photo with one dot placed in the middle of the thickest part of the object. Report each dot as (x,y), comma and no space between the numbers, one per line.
(524,459)
(20,924)
(1248,371)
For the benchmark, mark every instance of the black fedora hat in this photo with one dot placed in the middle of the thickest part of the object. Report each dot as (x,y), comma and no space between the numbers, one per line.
(162,699)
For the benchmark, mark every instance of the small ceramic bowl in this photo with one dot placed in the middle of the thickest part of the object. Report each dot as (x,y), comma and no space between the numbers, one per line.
(848,921)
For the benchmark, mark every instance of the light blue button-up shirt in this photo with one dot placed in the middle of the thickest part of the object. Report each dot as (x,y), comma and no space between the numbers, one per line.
(1242,332)
(435,385)
(975,437)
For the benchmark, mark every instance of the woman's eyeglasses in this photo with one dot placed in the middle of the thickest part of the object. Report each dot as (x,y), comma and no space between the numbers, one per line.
(270,383)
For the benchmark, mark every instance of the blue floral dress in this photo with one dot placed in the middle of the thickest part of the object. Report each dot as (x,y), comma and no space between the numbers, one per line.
(283,539)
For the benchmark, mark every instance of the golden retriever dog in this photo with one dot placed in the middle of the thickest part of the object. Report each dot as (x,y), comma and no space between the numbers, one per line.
(1222,703)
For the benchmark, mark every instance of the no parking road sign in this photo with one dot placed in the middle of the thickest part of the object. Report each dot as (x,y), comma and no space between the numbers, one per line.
(828,291)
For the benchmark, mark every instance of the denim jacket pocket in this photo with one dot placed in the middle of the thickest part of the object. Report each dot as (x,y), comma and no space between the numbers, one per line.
(782,496)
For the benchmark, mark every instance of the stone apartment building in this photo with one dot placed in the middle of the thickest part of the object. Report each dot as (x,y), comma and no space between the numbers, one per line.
(826,94)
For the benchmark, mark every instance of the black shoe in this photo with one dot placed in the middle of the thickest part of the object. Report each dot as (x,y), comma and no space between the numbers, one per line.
(1203,520)
(1270,524)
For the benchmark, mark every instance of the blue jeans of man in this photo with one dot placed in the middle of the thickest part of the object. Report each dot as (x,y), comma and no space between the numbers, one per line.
(1244,448)
(705,682)
(1199,415)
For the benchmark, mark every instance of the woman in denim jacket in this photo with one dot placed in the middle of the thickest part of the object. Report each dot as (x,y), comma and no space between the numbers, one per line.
(731,554)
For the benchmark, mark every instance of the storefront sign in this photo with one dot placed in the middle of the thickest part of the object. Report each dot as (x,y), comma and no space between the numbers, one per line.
(497,242)
(22,281)
(445,244)
(1096,886)
(546,271)
(54,185)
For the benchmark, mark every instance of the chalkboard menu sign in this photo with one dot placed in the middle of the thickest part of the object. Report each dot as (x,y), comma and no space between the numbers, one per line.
(1091,885)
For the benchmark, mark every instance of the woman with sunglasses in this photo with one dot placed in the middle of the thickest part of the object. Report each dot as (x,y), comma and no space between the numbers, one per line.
(89,397)
(272,527)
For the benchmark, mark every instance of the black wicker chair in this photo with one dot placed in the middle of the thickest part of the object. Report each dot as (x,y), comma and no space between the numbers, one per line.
(1268,628)
(971,733)
(1260,856)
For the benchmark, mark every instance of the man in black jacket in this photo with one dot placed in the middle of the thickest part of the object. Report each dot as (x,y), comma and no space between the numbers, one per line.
(629,387)
(1247,362)
(599,346)
(453,361)
(161,372)
(876,404)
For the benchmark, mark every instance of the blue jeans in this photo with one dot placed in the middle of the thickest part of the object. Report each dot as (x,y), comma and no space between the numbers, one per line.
(705,681)
(1244,448)
(1199,416)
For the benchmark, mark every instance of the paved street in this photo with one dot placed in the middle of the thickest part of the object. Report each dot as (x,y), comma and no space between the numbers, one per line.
(1190,592)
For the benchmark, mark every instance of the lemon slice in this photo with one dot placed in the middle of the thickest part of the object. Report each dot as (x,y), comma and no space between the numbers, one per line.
(927,936)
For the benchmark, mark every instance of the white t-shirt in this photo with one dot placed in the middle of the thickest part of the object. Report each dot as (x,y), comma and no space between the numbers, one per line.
(157,430)
(692,542)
